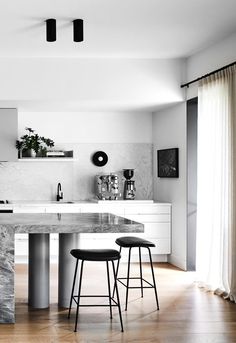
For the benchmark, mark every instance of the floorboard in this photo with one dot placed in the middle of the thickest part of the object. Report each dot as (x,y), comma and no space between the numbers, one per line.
(187,314)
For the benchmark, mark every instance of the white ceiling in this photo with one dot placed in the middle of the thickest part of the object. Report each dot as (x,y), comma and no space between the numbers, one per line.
(115,28)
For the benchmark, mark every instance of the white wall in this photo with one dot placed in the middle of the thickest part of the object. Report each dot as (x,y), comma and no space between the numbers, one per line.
(210,59)
(126,137)
(89,127)
(92,83)
(169,131)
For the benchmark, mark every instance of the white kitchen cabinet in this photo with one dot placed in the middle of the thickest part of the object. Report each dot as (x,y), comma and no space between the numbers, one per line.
(155,217)
(157,224)
(103,208)
(62,208)
(28,209)
(21,239)
(8,134)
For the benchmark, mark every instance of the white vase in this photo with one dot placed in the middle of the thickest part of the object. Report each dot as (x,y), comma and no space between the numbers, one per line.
(32,153)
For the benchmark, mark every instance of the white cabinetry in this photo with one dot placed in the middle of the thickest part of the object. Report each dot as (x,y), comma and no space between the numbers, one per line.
(157,224)
(156,218)
(21,239)
(8,134)
(29,209)
(62,208)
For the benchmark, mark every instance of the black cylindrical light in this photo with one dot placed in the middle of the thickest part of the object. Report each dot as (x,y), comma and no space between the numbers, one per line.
(51,31)
(78,30)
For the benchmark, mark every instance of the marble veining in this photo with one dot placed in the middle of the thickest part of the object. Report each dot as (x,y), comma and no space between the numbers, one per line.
(47,223)
(7,306)
(38,180)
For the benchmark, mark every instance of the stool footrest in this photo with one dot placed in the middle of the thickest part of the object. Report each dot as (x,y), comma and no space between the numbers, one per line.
(135,278)
(94,296)
(107,255)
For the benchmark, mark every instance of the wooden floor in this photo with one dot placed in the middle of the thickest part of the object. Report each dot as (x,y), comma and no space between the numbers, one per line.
(187,313)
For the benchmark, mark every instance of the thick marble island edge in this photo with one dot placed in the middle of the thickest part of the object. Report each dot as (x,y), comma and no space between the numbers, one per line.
(68,223)
(47,223)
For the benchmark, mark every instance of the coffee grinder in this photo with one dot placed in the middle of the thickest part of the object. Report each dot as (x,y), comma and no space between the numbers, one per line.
(129,185)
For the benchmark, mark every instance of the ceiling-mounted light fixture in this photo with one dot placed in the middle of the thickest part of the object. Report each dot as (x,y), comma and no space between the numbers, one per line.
(51,32)
(78,30)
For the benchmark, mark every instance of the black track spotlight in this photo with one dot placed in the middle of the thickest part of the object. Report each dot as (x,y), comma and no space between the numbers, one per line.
(78,30)
(51,31)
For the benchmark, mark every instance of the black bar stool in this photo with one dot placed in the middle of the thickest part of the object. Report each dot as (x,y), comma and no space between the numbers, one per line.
(133,242)
(95,255)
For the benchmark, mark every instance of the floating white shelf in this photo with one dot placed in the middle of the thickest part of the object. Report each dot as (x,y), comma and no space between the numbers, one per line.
(46,159)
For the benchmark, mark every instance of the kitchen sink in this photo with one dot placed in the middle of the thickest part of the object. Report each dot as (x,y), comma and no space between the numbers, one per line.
(63,202)
(124,201)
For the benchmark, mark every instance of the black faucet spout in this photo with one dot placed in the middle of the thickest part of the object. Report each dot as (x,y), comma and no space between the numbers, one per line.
(59,192)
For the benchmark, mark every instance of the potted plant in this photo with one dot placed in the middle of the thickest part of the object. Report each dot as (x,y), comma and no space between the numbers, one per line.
(31,144)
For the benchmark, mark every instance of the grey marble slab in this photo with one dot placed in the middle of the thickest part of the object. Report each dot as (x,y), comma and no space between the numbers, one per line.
(68,223)
(47,223)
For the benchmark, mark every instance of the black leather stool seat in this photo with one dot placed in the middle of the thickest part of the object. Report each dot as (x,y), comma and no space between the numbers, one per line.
(132,242)
(96,254)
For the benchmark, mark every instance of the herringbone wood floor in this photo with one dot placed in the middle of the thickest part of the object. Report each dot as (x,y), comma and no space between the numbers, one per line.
(187,314)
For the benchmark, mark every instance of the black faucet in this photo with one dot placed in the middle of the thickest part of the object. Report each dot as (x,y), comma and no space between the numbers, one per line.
(59,192)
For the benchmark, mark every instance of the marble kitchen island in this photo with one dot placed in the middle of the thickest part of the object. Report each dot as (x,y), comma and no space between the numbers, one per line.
(65,223)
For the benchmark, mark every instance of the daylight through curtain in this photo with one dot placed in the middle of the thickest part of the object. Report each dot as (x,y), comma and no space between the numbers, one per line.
(216,229)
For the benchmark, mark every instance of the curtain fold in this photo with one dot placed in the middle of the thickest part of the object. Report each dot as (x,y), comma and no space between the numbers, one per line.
(216,198)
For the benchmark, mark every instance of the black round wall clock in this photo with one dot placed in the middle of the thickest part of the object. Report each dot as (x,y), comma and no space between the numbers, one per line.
(100,158)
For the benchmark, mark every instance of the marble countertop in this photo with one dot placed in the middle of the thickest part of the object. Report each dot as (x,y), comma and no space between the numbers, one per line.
(68,223)
(47,223)
(78,202)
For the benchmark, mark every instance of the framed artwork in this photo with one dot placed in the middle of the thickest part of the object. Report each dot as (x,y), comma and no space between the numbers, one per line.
(168,162)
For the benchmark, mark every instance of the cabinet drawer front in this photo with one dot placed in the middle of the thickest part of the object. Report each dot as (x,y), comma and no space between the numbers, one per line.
(89,208)
(162,245)
(21,247)
(62,209)
(114,210)
(95,208)
(28,209)
(157,230)
(21,237)
(149,218)
(147,209)
(86,242)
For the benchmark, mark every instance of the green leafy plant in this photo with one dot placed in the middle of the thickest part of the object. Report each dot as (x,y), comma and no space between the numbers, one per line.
(32,141)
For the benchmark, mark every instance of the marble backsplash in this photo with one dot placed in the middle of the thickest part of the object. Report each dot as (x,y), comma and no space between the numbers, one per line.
(37,180)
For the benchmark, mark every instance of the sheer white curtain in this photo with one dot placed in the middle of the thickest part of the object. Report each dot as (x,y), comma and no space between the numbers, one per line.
(216,199)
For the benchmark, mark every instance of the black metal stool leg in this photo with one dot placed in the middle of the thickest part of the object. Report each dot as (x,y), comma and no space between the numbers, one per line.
(117,268)
(141,274)
(73,287)
(118,298)
(153,277)
(79,291)
(109,288)
(127,285)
